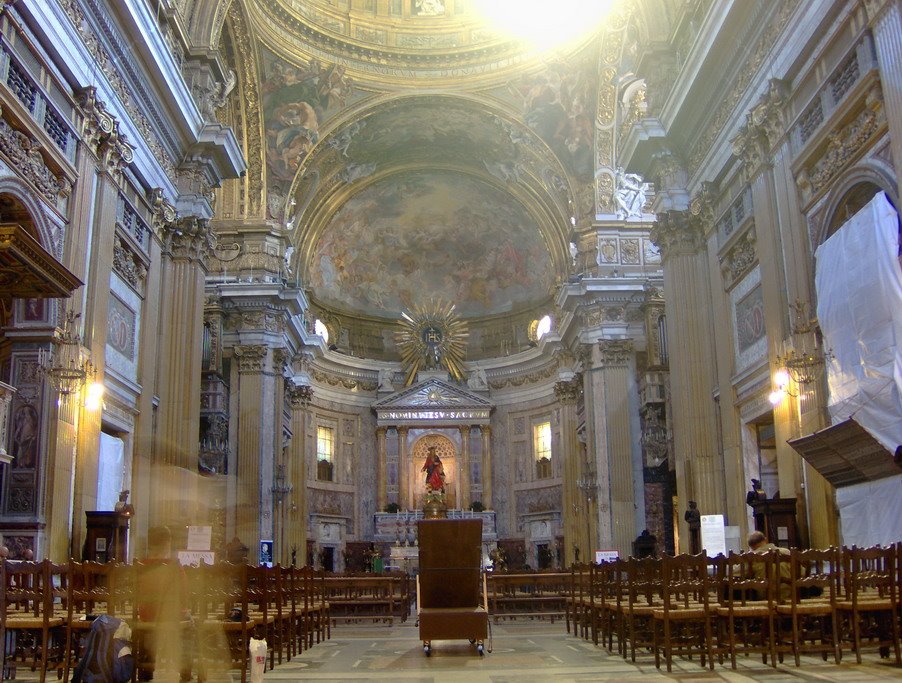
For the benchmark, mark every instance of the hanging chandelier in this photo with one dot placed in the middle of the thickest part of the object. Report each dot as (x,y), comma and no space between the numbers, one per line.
(64,366)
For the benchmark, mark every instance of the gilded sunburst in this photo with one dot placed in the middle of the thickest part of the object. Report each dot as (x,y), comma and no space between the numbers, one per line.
(432,337)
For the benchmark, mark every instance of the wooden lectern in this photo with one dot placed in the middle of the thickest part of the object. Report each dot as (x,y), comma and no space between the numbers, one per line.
(776,519)
(106,536)
(449,604)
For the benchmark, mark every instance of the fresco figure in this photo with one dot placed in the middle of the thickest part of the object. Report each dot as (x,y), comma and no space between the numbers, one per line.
(25,437)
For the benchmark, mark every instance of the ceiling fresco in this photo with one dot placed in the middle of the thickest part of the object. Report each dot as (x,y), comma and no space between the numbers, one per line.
(411,237)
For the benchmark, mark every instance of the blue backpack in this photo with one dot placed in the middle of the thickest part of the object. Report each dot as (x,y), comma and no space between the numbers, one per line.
(101,661)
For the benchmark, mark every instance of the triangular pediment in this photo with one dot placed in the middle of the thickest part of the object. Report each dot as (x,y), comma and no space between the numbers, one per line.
(434,401)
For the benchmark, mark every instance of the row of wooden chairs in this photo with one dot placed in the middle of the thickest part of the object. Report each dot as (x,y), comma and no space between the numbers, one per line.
(201,617)
(536,595)
(821,602)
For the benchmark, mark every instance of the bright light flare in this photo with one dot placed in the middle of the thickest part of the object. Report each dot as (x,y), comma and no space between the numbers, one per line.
(544,24)
(94,396)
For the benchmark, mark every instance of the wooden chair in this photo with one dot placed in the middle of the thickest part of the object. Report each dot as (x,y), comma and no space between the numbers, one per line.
(642,597)
(682,625)
(811,609)
(88,595)
(224,621)
(749,606)
(26,609)
(868,604)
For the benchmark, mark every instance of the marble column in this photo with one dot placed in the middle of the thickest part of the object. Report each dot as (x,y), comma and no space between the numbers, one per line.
(256,427)
(405,500)
(615,361)
(486,431)
(464,469)
(567,393)
(699,469)
(381,469)
(186,244)
(299,397)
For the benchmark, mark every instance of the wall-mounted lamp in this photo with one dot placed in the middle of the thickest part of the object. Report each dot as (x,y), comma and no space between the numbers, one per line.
(803,362)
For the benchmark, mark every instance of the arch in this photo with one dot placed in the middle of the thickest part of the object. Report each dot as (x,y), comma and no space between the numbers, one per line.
(206,22)
(852,190)
(21,206)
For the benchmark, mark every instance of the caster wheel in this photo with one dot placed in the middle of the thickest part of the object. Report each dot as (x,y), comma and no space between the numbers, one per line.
(472,641)
(427,650)
(481,650)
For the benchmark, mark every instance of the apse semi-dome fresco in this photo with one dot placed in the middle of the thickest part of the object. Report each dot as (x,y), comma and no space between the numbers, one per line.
(412,237)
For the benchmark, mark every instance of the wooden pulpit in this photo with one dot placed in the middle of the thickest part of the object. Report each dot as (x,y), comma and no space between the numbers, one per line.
(451,595)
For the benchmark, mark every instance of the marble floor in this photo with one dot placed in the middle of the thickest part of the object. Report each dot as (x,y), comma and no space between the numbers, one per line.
(521,652)
(529,652)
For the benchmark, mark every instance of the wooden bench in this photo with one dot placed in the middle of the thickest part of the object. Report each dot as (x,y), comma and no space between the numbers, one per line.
(537,595)
(356,597)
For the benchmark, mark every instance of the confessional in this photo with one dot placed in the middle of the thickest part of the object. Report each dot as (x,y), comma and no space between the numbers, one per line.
(451,590)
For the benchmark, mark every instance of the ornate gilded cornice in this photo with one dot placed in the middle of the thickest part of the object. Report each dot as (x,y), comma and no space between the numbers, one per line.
(746,74)
(251,357)
(615,353)
(24,153)
(109,65)
(298,395)
(568,392)
(677,233)
(101,134)
(188,238)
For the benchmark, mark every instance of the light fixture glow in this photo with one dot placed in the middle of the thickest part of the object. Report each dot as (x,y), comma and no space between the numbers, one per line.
(544,25)
(781,379)
(94,396)
(776,397)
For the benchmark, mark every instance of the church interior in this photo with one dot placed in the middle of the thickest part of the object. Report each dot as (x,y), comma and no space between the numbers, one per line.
(301,273)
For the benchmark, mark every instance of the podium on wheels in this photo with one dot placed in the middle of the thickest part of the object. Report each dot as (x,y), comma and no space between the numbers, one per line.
(451,591)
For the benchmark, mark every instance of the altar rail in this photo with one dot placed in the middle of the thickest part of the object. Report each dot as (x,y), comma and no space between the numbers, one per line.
(401,527)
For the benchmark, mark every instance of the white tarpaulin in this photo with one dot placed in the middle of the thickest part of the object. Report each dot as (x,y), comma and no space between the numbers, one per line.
(859,308)
(859,294)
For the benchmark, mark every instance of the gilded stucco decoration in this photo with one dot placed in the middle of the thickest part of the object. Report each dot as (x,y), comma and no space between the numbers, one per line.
(251,120)
(843,145)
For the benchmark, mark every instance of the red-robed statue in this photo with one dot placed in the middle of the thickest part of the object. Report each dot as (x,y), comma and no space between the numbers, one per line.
(435,472)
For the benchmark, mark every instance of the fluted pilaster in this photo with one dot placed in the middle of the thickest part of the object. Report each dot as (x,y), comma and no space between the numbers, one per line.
(403,471)
(692,379)
(885,17)
(567,393)
(464,470)
(381,469)
(615,363)
(299,397)
(256,427)
(486,466)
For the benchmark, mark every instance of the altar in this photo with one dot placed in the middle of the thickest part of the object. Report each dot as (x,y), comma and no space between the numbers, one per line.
(400,530)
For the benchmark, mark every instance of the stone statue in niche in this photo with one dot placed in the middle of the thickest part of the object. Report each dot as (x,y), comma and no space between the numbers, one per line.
(478,380)
(428,8)
(630,194)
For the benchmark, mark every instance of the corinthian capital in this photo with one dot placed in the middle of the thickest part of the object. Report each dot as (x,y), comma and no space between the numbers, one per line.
(189,238)
(101,133)
(567,392)
(299,395)
(615,353)
(161,211)
(251,357)
(763,129)
(676,233)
